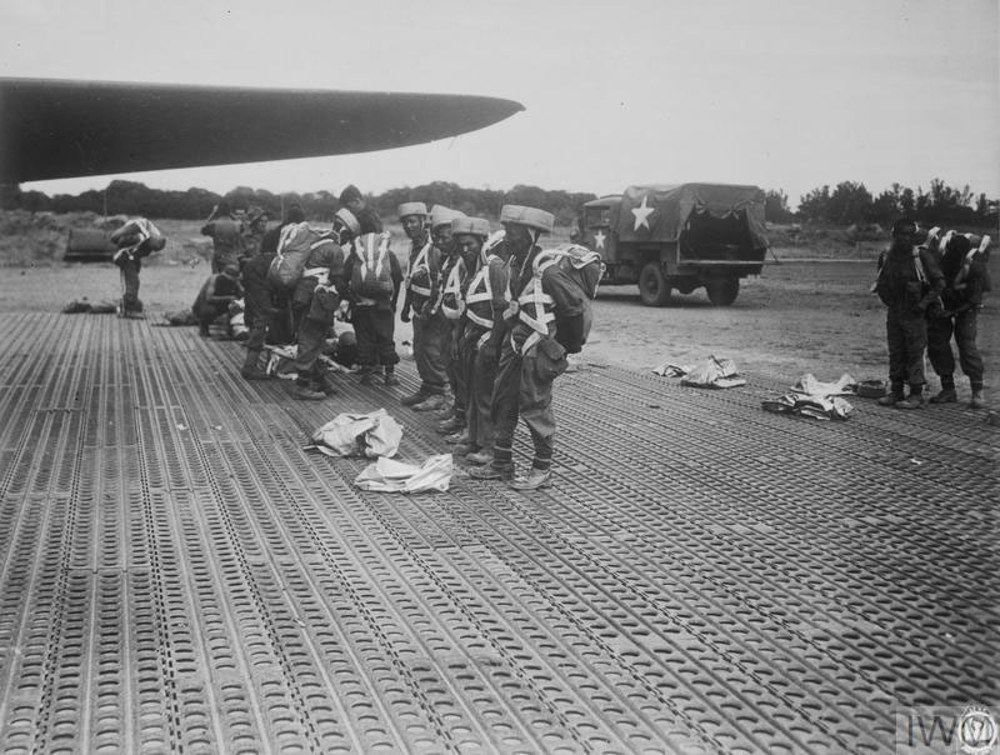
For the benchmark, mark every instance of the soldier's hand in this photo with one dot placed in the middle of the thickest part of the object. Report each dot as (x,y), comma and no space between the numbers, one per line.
(405,314)
(512,309)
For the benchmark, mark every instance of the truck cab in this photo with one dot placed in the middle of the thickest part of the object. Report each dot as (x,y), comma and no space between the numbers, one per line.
(682,237)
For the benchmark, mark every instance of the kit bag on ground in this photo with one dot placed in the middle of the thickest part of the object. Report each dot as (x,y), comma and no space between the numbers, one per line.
(583,266)
(372,273)
(294,245)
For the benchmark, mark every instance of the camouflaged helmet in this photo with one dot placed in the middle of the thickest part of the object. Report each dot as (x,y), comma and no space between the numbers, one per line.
(473,226)
(350,222)
(412,208)
(530,217)
(441,215)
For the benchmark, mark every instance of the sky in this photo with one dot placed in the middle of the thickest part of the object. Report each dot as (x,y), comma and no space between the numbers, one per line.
(784,94)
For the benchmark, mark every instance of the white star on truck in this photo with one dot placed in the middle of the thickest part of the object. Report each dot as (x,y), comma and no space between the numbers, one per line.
(642,213)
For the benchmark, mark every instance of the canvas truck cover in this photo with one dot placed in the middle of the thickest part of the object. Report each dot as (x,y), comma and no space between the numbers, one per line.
(659,212)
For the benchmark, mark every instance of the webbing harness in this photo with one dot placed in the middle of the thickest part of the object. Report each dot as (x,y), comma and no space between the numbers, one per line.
(453,286)
(534,298)
(420,263)
(368,251)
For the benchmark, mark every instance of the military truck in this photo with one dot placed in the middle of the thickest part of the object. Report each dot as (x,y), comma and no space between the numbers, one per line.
(679,237)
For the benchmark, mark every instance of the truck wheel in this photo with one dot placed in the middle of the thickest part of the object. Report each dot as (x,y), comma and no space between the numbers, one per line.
(723,291)
(653,287)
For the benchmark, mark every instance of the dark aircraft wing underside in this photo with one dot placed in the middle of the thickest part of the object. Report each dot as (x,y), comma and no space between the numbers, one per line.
(179,574)
(57,129)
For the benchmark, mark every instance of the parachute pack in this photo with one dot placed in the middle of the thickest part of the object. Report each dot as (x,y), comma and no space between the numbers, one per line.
(582,266)
(295,243)
(372,273)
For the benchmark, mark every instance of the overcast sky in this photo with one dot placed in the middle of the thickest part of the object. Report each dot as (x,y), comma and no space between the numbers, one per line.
(788,94)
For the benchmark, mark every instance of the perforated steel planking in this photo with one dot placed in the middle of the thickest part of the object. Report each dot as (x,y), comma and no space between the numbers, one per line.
(178,574)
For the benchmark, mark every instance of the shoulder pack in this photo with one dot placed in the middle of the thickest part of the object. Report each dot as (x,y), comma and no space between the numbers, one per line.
(584,267)
(294,244)
(372,273)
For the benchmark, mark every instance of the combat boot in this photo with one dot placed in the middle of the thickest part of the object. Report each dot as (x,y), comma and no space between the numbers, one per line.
(915,401)
(537,478)
(430,403)
(305,393)
(390,377)
(978,399)
(493,472)
(890,399)
(457,439)
(480,458)
(414,398)
(251,369)
(452,425)
(944,396)
(367,378)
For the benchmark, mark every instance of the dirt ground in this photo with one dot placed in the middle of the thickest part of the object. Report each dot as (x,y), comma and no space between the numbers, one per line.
(796,318)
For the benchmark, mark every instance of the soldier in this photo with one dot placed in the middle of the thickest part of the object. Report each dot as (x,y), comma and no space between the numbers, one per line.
(421,284)
(373,316)
(258,303)
(352,200)
(965,278)
(136,239)
(486,298)
(546,323)
(216,294)
(253,234)
(909,279)
(315,302)
(468,235)
(227,237)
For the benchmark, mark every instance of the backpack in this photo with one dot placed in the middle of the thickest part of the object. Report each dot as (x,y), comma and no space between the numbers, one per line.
(294,245)
(372,273)
(583,267)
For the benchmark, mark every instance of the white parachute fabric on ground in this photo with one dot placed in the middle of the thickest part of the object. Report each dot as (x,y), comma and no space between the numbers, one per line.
(710,373)
(811,386)
(388,476)
(374,435)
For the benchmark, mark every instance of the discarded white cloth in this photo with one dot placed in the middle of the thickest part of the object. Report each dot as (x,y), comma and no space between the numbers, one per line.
(372,435)
(812,406)
(711,373)
(388,476)
(809,385)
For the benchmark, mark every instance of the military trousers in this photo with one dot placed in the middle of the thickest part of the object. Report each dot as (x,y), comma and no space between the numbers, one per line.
(522,391)
(963,327)
(482,377)
(375,329)
(130,284)
(906,334)
(428,352)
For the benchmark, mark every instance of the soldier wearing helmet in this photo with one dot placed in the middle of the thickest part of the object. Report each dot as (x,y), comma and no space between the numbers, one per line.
(467,237)
(546,322)
(908,280)
(483,328)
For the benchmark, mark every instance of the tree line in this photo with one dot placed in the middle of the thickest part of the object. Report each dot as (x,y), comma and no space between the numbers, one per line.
(851,203)
(848,203)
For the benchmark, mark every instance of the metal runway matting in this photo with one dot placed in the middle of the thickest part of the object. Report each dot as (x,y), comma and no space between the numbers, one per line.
(179,575)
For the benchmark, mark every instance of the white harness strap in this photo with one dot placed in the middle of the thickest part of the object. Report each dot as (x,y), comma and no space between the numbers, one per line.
(480,290)
(373,256)
(969,258)
(534,298)
(453,286)
(418,263)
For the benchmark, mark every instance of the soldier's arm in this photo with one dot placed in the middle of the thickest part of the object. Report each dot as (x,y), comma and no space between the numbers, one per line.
(935,278)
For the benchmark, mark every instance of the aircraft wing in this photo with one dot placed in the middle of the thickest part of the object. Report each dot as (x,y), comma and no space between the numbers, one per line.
(52,128)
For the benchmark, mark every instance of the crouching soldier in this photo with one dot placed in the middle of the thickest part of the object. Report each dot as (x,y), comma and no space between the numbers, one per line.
(374,278)
(909,279)
(215,296)
(966,279)
(546,315)
(137,239)
(486,299)
(315,302)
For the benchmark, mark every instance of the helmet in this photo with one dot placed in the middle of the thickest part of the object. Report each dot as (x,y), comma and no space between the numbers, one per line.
(412,208)
(441,215)
(473,226)
(346,217)
(528,216)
